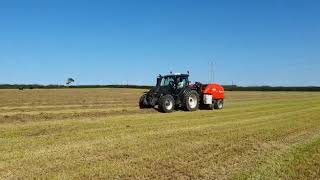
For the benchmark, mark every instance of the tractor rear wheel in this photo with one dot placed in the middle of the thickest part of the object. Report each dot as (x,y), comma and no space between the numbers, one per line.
(166,104)
(218,104)
(191,101)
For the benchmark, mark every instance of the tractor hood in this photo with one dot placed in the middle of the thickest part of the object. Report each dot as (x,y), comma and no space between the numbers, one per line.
(158,90)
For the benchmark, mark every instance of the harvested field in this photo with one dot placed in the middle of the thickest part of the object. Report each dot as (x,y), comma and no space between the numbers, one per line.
(101,133)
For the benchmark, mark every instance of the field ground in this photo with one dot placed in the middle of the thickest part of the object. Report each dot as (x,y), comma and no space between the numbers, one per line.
(101,133)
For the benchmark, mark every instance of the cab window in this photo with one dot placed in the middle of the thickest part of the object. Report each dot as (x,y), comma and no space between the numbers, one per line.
(182,83)
(167,81)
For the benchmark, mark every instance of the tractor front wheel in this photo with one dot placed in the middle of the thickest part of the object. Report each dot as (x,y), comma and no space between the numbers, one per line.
(166,104)
(143,102)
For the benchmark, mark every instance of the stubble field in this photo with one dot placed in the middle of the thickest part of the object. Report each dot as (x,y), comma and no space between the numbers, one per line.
(101,133)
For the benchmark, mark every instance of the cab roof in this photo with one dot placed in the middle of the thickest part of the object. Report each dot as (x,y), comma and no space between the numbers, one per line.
(175,75)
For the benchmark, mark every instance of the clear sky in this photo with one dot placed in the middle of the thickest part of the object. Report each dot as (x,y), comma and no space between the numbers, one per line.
(252,42)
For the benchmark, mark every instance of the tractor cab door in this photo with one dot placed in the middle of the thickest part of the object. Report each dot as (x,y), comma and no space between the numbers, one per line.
(182,83)
(167,85)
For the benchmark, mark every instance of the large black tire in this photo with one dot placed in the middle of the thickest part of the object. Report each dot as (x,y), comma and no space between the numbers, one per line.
(218,104)
(191,101)
(166,104)
(142,102)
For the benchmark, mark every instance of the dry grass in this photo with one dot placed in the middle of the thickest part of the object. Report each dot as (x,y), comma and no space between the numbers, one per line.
(101,133)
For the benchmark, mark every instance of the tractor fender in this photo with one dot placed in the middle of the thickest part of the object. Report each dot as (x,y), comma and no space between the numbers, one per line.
(183,92)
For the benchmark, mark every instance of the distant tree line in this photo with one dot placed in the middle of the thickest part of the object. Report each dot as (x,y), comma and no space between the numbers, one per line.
(37,86)
(270,88)
(227,87)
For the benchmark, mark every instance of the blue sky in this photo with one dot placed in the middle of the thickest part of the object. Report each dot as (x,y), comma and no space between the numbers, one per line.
(265,42)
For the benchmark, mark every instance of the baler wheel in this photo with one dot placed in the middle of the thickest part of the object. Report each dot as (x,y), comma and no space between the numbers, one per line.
(218,104)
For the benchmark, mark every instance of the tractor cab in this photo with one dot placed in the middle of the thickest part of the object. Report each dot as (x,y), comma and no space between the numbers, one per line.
(175,81)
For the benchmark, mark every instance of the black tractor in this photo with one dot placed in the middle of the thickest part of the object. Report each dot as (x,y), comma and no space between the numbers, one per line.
(171,92)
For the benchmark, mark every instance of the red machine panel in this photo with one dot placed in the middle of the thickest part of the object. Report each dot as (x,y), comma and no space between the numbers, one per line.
(216,90)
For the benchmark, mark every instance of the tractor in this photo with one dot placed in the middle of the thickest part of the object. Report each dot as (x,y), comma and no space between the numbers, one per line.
(174,91)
